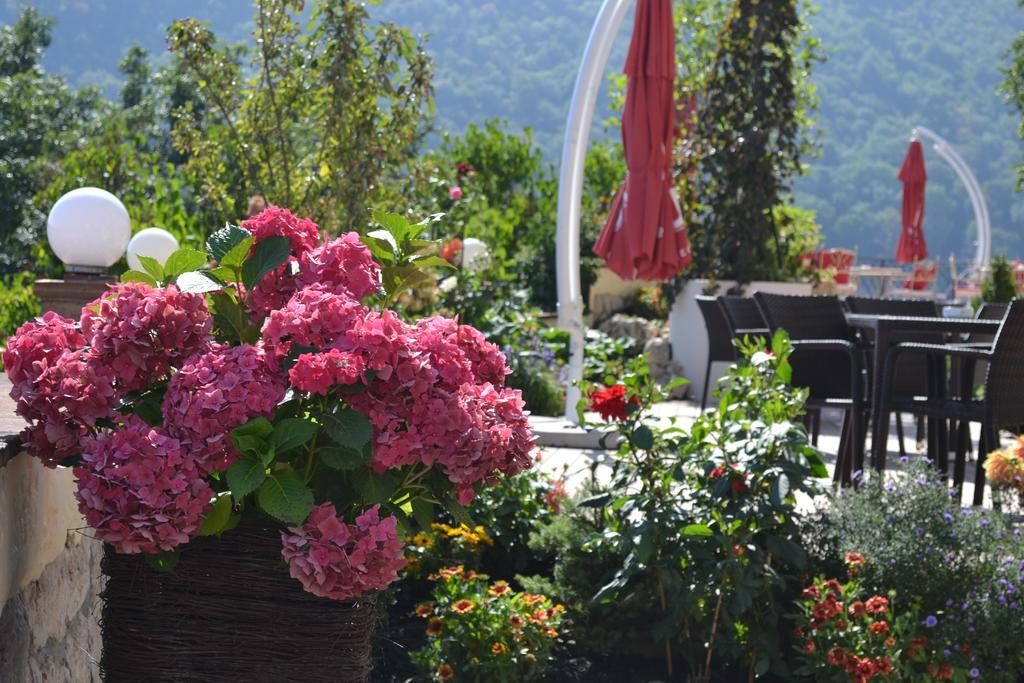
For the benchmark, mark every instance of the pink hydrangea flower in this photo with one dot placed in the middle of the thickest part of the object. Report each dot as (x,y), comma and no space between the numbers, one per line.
(140,490)
(302,233)
(215,392)
(142,332)
(36,345)
(271,293)
(342,561)
(316,373)
(315,316)
(51,441)
(75,388)
(343,264)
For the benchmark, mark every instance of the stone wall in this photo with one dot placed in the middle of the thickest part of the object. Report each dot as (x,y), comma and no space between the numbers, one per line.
(49,578)
(49,631)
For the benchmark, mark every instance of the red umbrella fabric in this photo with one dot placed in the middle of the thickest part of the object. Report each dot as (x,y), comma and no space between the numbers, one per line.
(912,246)
(644,238)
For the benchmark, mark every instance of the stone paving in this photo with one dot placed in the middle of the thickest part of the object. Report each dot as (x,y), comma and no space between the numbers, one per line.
(576,464)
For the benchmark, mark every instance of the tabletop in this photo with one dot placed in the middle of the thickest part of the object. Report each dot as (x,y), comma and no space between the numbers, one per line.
(906,323)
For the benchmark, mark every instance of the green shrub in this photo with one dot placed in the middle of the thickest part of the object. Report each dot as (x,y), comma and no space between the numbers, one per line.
(18,304)
(999,286)
(948,561)
(486,632)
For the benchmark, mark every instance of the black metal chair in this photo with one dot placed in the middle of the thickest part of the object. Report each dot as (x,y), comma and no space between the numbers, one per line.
(720,346)
(1000,406)
(912,374)
(828,361)
(743,315)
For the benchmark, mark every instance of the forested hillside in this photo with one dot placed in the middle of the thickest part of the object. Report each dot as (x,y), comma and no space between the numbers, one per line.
(890,65)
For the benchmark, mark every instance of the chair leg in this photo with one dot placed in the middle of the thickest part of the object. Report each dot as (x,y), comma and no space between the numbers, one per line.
(816,429)
(963,441)
(920,437)
(707,378)
(989,442)
(841,475)
(899,434)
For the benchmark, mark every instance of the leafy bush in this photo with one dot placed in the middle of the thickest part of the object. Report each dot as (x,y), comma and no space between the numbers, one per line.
(512,510)
(486,632)
(999,286)
(844,634)
(948,561)
(18,304)
(696,530)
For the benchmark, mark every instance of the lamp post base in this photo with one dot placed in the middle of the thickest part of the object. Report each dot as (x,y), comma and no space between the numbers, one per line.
(67,297)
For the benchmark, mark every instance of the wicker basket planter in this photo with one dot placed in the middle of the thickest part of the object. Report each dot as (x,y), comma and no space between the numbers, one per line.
(228,612)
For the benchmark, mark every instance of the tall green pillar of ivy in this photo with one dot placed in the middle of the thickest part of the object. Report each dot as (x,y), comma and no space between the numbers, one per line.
(748,131)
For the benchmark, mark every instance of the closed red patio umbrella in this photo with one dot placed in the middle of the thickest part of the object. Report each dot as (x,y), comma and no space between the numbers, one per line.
(644,237)
(912,246)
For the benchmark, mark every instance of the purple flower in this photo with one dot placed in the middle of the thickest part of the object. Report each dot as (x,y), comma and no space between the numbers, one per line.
(974,673)
(931,621)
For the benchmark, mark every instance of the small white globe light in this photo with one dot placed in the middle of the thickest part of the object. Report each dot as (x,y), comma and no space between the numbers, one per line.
(152,242)
(474,253)
(88,229)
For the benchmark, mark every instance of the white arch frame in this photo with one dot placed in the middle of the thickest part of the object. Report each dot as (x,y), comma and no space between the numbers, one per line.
(983,248)
(570,188)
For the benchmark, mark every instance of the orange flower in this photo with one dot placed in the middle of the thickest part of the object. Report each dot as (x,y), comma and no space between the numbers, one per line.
(856,609)
(516,621)
(809,646)
(854,559)
(530,657)
(424,611)
(498,589)
(532,600)
(876,604)
(890,642)
(880,627)
(539,616)
(884,665)
(841,625)
(434,627)
(1006,468)
(463,606)
(499,649)
(549,632)
(444,672)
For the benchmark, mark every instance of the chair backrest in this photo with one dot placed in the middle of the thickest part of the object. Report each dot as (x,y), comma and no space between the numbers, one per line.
(804,317)
(918,308)
(741,313)
(1006,371)
(719,336)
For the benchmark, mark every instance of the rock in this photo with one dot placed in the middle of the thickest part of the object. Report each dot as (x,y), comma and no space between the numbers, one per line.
(663,369)
(633,327)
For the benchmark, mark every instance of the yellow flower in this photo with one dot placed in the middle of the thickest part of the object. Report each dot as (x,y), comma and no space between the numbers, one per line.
(463,606)
(498,589)
(424,610)
(499,648)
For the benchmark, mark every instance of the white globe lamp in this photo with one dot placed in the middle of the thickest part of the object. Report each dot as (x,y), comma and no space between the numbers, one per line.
(155,243)
(474,254)
(88,229)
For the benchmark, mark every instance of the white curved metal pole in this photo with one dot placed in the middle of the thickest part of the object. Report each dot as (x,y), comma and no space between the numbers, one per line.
(570,188)
(983,249)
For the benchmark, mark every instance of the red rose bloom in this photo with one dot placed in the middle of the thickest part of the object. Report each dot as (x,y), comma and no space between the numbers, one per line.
(611,403)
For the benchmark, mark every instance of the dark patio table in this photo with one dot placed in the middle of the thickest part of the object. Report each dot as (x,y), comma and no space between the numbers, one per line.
(889,330)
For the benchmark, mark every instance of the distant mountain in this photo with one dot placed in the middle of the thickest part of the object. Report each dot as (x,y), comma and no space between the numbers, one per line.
(892,65)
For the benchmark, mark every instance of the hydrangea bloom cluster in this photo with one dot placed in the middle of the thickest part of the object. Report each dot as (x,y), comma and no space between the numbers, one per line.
(140,489)
(215,392)
(142,332)
(438,398)
(342,561)
(430,394)
(343,265)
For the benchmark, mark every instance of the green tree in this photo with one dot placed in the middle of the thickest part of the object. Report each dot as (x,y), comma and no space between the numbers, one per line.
(1013,88)
(40,119)
(748,133)
(999,286)
(317,121)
